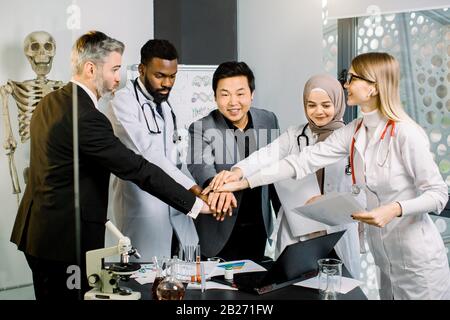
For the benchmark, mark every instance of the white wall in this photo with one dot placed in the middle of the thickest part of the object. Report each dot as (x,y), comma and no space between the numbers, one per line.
(356,8)
(282,43)
(132,24)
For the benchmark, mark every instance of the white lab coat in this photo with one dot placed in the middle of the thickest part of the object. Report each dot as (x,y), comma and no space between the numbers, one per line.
(145,219)
(348,248)
(409,250)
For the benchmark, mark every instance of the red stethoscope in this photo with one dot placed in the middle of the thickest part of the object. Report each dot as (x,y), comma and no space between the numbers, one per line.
(355,188)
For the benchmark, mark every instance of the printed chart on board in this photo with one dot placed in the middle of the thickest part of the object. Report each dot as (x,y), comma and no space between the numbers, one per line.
(191,98)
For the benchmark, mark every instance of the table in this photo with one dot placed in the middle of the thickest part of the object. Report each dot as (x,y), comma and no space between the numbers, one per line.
(288,293)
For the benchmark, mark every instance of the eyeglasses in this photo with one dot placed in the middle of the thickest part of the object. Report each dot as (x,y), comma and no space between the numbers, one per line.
(349,77)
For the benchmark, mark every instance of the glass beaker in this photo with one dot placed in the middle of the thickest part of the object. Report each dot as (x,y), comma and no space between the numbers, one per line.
(170,287)
(330,272)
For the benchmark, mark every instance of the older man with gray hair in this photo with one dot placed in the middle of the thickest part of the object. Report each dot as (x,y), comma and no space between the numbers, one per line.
(46,228)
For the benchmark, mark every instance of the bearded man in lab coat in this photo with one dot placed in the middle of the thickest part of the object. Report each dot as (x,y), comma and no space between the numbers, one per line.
(144,121)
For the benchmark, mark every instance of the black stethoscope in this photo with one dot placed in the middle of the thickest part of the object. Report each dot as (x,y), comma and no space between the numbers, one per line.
(348,167)
(303,135)
(175,137)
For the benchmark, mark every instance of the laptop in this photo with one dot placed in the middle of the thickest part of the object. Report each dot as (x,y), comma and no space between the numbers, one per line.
(296,263)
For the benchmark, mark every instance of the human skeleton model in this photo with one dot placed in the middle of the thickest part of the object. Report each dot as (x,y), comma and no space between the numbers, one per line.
(39,48)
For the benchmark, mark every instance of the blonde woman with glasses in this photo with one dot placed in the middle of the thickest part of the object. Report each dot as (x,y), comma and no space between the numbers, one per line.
(391,162)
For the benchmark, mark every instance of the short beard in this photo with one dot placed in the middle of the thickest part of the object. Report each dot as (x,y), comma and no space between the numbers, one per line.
(157,97)
(100,84)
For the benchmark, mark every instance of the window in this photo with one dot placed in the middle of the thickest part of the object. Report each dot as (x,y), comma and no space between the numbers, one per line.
(330,46)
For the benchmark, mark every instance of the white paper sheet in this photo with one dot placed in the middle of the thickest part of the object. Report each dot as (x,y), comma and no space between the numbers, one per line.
(332,209)
(147,278)
(347,284)
(209,267)
(239,266)
(145,275)
(294,193)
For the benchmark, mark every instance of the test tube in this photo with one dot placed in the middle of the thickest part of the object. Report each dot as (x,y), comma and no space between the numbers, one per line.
(202,277)
(198,264)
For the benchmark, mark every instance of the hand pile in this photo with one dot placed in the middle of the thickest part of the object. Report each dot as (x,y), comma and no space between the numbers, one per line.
(219,193)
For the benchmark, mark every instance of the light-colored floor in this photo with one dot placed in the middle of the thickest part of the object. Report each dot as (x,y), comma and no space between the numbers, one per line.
(22,293)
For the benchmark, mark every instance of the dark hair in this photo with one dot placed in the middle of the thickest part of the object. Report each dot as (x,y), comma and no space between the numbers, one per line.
(93,46)
(158,48)
(233,69)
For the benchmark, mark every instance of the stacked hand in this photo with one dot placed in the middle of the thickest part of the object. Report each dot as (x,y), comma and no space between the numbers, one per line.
(224,177)
(220,198)
(219,204)
(227,181)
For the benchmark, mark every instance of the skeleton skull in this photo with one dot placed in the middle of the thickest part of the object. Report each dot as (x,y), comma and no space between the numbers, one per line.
(40,47)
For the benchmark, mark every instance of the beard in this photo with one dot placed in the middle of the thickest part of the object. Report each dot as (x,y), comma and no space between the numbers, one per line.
(103,87)
(158,97)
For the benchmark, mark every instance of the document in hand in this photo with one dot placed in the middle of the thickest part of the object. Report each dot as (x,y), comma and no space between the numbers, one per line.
(294,193)
(332,209)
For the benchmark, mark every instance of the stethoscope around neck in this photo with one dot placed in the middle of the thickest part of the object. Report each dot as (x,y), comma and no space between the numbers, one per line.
(356,189)
(348,168)
(303,135)
(175,137)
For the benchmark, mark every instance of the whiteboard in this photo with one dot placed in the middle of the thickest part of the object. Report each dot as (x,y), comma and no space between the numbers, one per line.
(191,98)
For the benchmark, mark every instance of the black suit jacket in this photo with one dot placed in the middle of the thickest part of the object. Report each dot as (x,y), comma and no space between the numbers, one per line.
(45,222)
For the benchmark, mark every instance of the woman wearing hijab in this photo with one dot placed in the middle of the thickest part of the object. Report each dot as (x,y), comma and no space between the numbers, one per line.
(324,105)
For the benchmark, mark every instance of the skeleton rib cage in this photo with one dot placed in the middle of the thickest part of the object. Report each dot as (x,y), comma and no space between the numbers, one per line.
(27,95)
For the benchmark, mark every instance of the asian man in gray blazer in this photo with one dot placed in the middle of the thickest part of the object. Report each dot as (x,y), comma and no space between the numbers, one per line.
(217,142)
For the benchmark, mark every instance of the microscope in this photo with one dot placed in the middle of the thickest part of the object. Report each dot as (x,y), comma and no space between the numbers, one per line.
(105,279)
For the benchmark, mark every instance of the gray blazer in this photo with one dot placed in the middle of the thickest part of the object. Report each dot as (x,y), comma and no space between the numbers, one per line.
(212,148)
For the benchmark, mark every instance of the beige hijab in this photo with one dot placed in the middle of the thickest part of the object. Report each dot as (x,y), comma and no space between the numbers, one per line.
(334,90)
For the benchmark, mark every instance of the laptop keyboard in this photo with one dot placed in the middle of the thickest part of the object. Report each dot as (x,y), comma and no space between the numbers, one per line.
(249,280)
